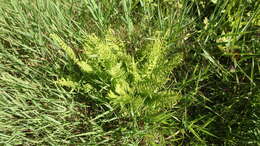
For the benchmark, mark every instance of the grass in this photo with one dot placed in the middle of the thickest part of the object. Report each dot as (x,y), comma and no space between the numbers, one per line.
(213,46)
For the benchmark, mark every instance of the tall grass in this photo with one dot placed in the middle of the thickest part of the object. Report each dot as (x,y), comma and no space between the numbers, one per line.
(105,79)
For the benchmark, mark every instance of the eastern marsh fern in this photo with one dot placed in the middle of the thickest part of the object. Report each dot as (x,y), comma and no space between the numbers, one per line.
(118,77)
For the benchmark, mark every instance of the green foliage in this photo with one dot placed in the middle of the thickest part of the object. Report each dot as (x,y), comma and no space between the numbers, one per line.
(224,34)
(182,72)
(131,84)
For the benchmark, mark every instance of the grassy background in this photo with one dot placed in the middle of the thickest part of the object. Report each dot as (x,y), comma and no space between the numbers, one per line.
(218,79)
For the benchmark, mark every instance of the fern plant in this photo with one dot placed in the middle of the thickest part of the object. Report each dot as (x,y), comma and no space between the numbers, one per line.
(136,86)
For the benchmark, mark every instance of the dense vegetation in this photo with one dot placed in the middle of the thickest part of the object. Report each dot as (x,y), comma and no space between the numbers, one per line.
(130,72)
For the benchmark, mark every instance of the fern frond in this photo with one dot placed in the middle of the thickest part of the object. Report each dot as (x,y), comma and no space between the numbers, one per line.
(87,87)
(116,71)
(63,45)
(82,64)
(168,98)
(67,83)
(154,57)
(162,72)
(135,71)
(123,88)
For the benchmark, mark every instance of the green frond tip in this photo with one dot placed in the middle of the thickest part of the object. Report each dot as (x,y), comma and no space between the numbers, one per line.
(63,45)
(155,56)
(122,93)
(169,98)
(116,71)
(67,83)
(88,87)
(121,99)
(122,88)
(84,66)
